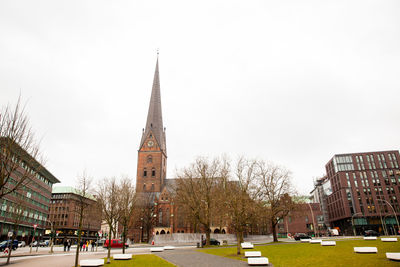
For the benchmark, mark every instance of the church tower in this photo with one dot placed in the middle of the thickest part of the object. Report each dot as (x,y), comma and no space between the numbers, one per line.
(152,153)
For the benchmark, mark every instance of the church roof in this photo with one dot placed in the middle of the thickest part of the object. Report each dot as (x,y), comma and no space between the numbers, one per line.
(154,122)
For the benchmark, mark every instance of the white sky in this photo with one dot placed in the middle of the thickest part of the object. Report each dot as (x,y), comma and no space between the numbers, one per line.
(294,82)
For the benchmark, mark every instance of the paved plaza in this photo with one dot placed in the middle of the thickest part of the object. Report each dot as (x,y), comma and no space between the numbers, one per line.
(184,256)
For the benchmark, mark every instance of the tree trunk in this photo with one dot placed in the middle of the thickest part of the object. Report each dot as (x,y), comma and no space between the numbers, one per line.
(79,237)
(238,237)
(208,236)
(109,245)
(10,249)
(124,238)
(273,228)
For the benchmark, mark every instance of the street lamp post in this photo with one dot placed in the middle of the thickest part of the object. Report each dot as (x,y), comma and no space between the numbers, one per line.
(352,221)
(395,216)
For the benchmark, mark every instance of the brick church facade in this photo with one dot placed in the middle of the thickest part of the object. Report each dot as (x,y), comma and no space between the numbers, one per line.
(159,214)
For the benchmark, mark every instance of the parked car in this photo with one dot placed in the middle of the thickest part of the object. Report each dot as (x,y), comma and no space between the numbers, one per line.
(44,243)
(299,236)
(34,244)
(6,244)
(100,242)
(21,244)
(212,242)
(371,233)
(115,243)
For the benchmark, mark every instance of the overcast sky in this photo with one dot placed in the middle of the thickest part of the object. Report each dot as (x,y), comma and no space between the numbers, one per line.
(294,82)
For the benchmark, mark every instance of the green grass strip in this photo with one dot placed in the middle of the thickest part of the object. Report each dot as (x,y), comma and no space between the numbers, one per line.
(304,254)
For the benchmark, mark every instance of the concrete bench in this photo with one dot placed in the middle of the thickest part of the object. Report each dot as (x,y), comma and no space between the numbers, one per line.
(122,256)
(370,237)
(305,240)
(328,243)
(365,250)
(315,241)
(157,249)
(395,256)
(389,239)
(247,245)
(169,247)
(249,254)
(258,261)
(96,262)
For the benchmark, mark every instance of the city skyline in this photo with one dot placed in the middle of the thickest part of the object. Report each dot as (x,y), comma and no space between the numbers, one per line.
(289,82)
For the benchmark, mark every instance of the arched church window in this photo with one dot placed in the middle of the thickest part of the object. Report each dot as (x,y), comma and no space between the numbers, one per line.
(144,187)
(151,135)
(144,172)
(152,186)
(153,172)
(160,218)
(150,159)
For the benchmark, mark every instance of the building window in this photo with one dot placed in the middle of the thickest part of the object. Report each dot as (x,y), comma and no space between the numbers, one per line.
(150,159)
(144,187)
(152,186)
(144,172)
(153,172)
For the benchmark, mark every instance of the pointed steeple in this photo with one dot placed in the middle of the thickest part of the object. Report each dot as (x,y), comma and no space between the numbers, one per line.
(154,122)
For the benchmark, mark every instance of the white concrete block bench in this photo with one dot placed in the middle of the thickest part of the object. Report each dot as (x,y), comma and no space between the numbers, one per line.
(328,243)
(395,256)
(315,241)
(169,247)
(258,261)
(370,237)
(365,250)
(249,254)
(247,245)
(95,262)
(389,239)
(157,249)
(122,256)
(305,240)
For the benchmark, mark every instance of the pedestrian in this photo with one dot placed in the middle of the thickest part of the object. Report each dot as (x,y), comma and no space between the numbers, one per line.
(81,245)
(65,243)
(93,244)
(69,244)
(87,245)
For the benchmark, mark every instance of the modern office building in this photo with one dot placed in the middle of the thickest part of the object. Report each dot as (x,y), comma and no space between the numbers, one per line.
(64,215)
(363,189)
(25,211)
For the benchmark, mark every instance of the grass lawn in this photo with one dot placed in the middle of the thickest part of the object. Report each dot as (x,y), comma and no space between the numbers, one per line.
(304,254)
(148,260)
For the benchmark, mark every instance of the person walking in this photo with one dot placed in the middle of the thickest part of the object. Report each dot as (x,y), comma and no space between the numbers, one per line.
(87,245)
(81,245)
(69,244)
(65,243)
(93,244)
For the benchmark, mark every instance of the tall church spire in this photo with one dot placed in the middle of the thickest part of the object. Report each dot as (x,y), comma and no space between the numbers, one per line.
(154,122)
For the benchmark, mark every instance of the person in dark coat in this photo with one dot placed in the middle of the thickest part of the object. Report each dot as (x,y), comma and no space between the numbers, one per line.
(69,244)
(81,245)
(65,243)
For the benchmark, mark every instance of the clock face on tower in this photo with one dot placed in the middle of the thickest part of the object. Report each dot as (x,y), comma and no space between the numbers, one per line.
(150,143)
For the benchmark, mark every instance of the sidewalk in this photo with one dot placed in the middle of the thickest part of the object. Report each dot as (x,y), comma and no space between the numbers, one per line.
(192,258)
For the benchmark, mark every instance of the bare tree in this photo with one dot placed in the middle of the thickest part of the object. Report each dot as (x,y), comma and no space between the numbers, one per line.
(196,189)
(274,190)
(83,190)
(19,153)
(127,203)
(144,214)
(240,197)
(108,201)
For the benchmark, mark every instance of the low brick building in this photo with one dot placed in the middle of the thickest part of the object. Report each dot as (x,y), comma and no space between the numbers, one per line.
(64,215)
(306,218)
